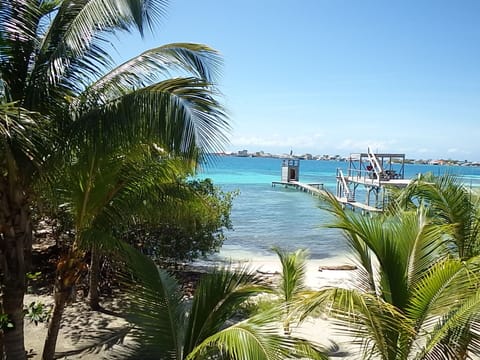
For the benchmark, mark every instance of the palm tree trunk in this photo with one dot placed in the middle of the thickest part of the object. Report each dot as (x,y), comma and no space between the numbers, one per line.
(69,270)
(286,322)
(61,298)
(13,339)
(15,257)
(2,355)
(93,293)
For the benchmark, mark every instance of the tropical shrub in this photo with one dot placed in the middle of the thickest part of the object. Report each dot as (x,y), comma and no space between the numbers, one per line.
(197,231)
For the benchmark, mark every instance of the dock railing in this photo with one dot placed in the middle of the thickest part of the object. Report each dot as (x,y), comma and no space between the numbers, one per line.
(377,168)
(346,190)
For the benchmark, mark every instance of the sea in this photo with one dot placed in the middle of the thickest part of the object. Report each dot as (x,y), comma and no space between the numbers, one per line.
(264,216)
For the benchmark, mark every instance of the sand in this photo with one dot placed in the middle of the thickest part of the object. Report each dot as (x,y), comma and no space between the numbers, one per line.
(81,327)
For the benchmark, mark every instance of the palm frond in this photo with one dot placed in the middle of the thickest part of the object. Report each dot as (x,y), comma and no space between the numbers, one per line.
(217,298)
(404,244)
(458,343)
(379,252)
(363,256)
(293,272)
(172,327)
(155,65)
(426,248)
(452,332)
(449,202)
(373,323)
(313,303)
(157,309)
(19,22)
(256,338)
(442,287)
(180,115)
(72,49)
(108,193)
(22,141)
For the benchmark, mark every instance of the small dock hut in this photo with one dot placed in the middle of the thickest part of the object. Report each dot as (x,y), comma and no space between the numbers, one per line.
(290,170)
(367,176)
(290,178)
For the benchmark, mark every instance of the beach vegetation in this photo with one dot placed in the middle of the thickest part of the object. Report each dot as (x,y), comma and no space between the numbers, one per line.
(37,312)
(292,281)
(209,325)
(65,105)
(415,298)
(19,159)
(449,201)
(5,323)
(128,188)
(199,230)
(120,190)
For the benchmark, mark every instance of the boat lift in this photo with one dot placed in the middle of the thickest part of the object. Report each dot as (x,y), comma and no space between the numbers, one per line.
(369,174)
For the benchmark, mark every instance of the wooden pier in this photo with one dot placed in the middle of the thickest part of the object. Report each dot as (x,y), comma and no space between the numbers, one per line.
(317,189)
(368,176)
(314,189)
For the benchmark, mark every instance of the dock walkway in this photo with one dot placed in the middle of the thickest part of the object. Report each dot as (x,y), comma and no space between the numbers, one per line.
(314,189)
(317,189)
(356,204)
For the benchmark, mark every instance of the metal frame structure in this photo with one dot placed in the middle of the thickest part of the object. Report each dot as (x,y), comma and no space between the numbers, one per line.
(372,172)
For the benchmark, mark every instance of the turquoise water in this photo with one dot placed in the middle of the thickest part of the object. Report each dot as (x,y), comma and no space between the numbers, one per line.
(264,216)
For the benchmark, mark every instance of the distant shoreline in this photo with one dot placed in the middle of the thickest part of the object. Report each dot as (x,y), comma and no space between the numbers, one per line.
(436,162)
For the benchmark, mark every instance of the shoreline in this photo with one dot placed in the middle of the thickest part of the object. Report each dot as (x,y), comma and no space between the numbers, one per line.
(335,271)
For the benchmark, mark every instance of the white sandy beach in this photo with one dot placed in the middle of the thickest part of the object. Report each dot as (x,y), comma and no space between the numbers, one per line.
(81,326)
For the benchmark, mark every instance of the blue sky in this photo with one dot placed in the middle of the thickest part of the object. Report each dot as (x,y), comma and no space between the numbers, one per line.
(336,76)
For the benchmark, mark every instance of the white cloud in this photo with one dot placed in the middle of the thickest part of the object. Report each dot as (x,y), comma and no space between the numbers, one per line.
(363,145)
(277,141)
(335,142)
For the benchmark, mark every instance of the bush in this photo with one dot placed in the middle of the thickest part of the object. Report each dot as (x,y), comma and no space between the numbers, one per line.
(197,232)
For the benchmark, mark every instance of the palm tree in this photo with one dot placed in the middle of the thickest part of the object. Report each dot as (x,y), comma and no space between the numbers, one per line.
(20,136)
(292,281)
(208,325)
(449,202)
(413,301)
(52,57)
(103,199)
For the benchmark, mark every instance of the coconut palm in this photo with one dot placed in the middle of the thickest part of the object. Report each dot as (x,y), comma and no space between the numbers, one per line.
(210,325)
(449,202)
(20,137)
(58,76)
(104,195)
(292,280)
(413,300)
